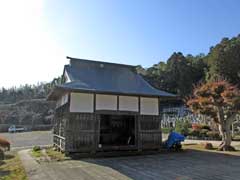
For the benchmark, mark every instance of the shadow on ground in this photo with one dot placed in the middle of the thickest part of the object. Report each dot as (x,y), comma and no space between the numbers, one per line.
(186,165)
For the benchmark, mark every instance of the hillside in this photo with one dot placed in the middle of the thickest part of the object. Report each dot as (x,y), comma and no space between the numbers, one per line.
(31,113)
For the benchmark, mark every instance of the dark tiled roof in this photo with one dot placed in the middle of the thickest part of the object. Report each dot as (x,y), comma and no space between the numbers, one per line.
(103,77)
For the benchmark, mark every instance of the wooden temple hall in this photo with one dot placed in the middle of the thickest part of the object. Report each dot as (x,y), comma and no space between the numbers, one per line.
(106,107)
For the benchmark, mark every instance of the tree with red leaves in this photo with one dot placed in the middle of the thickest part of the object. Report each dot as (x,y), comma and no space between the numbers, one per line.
(221,102)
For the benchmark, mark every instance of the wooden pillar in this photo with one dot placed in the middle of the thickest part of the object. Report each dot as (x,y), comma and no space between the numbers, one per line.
(139,133)
(96,127)
(117,102)
(138,126)
(96,133)
(67,138)
(160,123)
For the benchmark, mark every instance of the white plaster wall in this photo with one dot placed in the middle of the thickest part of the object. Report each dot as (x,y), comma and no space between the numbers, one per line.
(81,102)
(106,102)
(67,77)
(62,100)
(149,106)
(128,103)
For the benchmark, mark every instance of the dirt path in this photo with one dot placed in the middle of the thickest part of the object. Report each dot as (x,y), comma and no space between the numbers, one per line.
(33,169)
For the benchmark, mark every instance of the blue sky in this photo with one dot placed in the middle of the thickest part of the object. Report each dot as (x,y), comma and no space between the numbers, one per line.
(124,31)
(141,32)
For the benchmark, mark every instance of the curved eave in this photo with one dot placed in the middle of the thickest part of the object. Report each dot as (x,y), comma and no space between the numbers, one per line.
(55,93)
(59,90)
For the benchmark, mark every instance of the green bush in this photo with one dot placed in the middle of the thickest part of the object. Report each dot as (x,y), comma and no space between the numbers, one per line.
(36,148)
(166,130)
(182,127)
(213,134)
(203,133)
(207,127)
(187,122)
(194,133)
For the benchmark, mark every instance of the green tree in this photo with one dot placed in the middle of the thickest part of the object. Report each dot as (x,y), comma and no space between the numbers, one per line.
(224,60)
(178,75)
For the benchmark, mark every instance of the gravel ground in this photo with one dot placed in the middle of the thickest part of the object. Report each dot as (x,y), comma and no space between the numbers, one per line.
(187,165)
(28,139)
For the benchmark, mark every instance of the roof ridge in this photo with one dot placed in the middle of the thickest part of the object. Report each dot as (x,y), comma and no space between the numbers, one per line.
(101,62)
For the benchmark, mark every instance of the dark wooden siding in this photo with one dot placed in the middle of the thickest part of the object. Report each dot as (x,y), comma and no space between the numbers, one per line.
(79,132)
(60,121)
(150,135)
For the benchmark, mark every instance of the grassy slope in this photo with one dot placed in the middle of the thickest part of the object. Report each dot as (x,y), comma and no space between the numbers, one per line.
(11,168)
(55,155)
